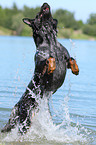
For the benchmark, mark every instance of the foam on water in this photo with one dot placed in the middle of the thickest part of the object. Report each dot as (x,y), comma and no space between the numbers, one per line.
(44,129)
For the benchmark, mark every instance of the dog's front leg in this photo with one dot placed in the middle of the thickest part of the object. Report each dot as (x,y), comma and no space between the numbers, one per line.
(43,66)
(73,65)
(49,66)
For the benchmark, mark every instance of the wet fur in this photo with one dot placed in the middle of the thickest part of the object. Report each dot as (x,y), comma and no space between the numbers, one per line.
(44,33)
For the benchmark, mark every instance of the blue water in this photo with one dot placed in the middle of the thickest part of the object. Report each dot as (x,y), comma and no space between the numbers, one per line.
(72,107)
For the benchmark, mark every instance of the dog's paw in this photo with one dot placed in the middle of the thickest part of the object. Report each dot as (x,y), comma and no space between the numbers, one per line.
(74,66)
(51,65)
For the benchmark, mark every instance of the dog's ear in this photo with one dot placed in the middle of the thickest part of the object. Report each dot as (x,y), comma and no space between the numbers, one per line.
(28,21)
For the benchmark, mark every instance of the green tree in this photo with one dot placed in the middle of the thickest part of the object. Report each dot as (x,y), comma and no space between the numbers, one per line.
(30,12)
(92,19)
(17,24)
(9,13)
(8,20)
(14,8)
(66,19)
(90,29)
(2,17)
(80,24)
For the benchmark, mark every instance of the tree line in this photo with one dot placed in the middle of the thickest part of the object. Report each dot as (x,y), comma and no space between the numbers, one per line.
(11,18)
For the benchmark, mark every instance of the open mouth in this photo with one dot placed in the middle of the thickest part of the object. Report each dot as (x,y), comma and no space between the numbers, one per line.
(47,9)
(45,12)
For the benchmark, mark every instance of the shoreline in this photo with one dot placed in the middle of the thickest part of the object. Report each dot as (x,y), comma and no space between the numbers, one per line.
(57,37)
(62,34)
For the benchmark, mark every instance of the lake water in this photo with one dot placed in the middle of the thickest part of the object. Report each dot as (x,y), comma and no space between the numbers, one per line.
(72,107)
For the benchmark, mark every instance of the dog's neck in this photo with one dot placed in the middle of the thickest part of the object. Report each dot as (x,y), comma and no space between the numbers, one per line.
(46,34)
(47,38)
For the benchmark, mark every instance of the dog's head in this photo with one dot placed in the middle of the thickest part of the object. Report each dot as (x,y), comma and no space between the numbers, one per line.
(42,19)
(43,16)
(45,13)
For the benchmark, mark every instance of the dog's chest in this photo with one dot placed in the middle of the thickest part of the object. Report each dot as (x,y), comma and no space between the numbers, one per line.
(56,79)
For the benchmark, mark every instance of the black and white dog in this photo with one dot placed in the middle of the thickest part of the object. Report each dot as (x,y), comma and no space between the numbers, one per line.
(51,63)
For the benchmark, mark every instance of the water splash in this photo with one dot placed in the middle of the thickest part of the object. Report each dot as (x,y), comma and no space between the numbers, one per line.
(43,128)
(72,48)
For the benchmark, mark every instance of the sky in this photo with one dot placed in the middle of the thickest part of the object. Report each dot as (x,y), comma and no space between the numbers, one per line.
(81,8)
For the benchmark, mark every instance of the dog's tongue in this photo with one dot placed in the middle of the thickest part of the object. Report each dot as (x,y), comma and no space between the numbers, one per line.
(47,8)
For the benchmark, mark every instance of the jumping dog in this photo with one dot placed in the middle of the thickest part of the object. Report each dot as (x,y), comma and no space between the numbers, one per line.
(51,63)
